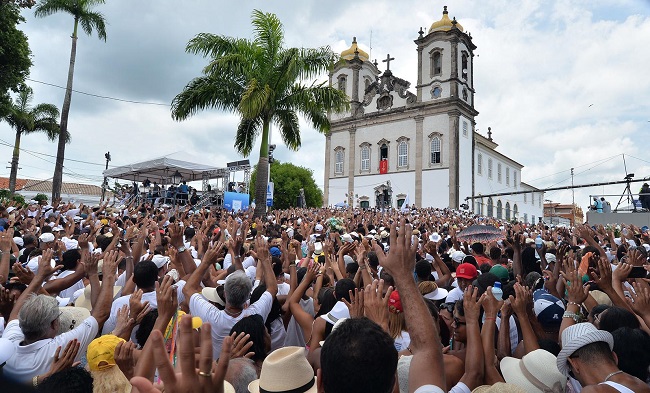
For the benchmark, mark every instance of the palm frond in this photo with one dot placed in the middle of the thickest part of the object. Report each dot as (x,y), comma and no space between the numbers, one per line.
(289,126)
(269,33)
(247,132)
(206,92)
(255,101)
(92,20)
(50,7)
(215,46)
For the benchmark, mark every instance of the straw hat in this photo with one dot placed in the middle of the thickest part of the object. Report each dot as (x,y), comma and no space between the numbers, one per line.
(285,369)
(499,387)
(535,372)
(577,336)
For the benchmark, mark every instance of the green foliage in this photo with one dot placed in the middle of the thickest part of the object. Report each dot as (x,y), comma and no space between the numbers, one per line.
(287,180)
(40,197)
(5,196)
(15,55)
(19,199)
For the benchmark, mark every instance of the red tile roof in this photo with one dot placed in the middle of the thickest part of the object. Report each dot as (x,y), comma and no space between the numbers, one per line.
(45,187)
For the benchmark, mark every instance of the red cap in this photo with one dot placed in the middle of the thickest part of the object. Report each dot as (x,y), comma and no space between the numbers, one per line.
(394,303)
(466,271)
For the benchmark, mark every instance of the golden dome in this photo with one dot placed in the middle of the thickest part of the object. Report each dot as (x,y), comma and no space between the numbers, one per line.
(444,24)
(348,54)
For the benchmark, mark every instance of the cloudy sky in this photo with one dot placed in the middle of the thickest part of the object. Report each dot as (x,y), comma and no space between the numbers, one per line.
(561,83)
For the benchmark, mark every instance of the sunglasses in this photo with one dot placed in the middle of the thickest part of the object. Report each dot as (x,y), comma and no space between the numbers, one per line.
(448,306)
(458,322)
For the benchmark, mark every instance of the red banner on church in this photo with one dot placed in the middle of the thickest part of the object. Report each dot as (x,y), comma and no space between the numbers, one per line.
(383,166)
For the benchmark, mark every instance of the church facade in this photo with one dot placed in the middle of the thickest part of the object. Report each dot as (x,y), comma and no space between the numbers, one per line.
(396,146)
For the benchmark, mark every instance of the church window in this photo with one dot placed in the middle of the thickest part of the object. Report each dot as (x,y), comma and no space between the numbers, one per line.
(338,162)
(499,172)
(465,95)
(367,83)
(402,154)
(507,176)
(365,158)
(365,204)
(532,220)
(435,150)
(400,202)
(499,210)
(526,218)
(479,208)
(514,178)
(383,152)
(465,127)
(436,92)
(515,211)
(539,201)
(489,168)
(479,164)
(436,63)
(490,207)
(525,198)
(507,211)
(464,70)
(343,79)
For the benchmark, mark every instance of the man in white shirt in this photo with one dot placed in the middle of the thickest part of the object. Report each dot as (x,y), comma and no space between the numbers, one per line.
(34,323)
(237,291)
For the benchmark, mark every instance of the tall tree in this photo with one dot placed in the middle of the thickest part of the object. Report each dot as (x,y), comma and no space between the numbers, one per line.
(25,119)
(287,180)
(15,55)
(264,83)
(83,14)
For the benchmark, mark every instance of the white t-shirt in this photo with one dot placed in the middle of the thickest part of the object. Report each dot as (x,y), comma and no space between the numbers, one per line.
(121,301)
(278,334)
(283,289)
(36,358)
(69,292)
(454,295)
(222,322)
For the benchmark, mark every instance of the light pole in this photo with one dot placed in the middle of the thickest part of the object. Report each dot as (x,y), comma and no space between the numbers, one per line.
(105,183)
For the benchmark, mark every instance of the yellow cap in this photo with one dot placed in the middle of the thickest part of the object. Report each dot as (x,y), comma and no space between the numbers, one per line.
(196,322)
(100,352)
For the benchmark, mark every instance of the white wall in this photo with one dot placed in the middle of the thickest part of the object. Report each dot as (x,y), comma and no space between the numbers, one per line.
(426,70)
(435,188)
(465,168)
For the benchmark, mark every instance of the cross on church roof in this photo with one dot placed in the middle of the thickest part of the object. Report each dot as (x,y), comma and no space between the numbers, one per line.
(387,61)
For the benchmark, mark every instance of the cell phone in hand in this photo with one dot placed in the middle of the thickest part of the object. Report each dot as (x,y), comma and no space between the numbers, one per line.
(638,272)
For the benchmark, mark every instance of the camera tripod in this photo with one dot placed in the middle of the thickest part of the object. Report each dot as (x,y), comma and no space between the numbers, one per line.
(627,193)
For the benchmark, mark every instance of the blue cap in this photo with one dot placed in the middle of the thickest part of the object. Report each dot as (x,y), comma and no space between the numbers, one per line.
(275,252)
(548,308)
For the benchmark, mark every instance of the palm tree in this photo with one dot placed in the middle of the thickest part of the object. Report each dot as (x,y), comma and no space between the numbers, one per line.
(90,20)
(263,82)
(25,119)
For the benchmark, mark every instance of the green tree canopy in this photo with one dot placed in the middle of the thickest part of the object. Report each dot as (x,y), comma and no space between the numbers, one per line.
(287,180)
(263,82)
(15,55)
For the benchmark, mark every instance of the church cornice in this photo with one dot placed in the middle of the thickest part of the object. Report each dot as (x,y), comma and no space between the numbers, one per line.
(449,36)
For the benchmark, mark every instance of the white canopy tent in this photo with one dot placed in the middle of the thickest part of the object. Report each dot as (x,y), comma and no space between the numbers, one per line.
(161,170)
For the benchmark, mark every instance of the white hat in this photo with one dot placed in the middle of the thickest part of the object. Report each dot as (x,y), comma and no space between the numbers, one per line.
(347,260)
(285,369)
(535,372)
(438,294)
(458,256)
(347,238)
(340,310)
(160,260)
(10,209)
(212,295)
(318,249)
(71,317)
(318,227)
(57,228)
(19,241)
(577,336)
(46,237)
(336,326)
(435,237)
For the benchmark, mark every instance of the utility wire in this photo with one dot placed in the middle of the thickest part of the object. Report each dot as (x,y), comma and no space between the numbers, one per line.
(98,96)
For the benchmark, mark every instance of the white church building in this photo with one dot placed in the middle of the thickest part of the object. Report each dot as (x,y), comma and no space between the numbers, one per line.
(395,146)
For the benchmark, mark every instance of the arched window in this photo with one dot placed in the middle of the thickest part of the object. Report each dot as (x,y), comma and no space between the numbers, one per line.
(490,208)
(365,204)
(435,150)
(514,178)
(365,158)
(437,63)
(479,208)
(338,162)
(525,198)
(479,164)
(499,210)
(402,154)
(507,211)
(343,80)
(464,70)
(515,212)
(489,168)
(507,176)
(499,172)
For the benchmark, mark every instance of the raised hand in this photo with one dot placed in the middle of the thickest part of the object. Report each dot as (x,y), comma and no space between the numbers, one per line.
(138,309)
(471,305)
(490,304)
(212,253)
(400,262)
(65,359)
(604,276)
(375,304)
(356,303)
(622,271)
(573,282)
(241,345)
(125,357)
(167,299)
(45,268)
(521,300)
(24,275)
(639,299)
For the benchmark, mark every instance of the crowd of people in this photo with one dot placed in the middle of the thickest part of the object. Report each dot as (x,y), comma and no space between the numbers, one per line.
(147,298)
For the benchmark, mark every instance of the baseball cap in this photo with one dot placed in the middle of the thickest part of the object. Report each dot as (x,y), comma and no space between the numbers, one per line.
(458,256)
(275,252)
(548,308)
(101,351)
(467,271)
(395,303)
(501,272)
